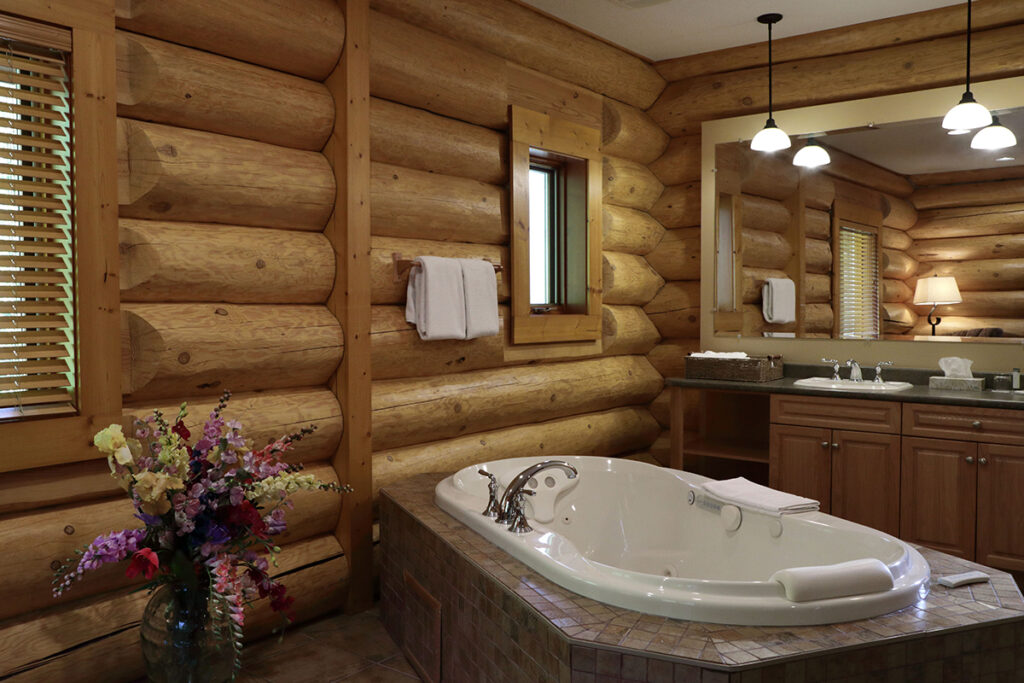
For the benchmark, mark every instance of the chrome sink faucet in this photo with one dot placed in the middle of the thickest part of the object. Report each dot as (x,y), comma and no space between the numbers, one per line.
(835,368)
(878,370)
(510,507)
(855,374)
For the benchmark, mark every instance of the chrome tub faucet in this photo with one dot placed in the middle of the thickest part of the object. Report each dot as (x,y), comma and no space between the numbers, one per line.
(510,506)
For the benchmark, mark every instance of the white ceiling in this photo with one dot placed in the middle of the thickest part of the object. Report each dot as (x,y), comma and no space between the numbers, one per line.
(662,29)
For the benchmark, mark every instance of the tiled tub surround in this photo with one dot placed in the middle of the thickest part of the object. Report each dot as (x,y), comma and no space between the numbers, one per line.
(466,611)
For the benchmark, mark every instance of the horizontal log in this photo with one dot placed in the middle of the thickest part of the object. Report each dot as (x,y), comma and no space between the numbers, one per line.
(819,190)
(896,291)
(170,173)
(897,318)
(977,175)
(661,450)
(669,357)
(680,163)
(817,289)
(164,261)
(899,213)
(969,194)
(762,249)
(41,487)
(973,249)
(856,170)
(627,330)
(817,224)
(817,256)
(956,325)
(986,275)
(414,138)
(629,133)
(897,239)
(419,204)
(166,83)
(1008,304)
(818,318)
(34,542)
(522,35)
(677,256)
(898,264)
(869,204)
(753,281)
(628,279)
(265,32)
(684,104)
(385,290)
(265,417)
(754,324)
(629,184)
(629,230)
(758,213)
(171,350)
(969,222)
(678,206)
(675,311)
(765,175)
(605,434)
(423,69)
(661,409)
(415,411)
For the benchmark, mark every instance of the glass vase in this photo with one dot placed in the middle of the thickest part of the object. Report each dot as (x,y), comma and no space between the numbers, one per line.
(183,639)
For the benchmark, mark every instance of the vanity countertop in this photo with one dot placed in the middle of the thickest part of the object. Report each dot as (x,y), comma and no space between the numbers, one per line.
(916,394)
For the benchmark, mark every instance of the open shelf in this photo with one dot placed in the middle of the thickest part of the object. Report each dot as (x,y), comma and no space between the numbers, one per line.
(695,445)
(725,434)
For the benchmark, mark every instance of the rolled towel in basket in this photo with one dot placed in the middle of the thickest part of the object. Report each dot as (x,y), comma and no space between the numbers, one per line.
(856,577)
(747,494)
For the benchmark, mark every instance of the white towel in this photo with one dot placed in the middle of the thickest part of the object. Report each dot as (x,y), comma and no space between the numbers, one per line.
(434,300)
(719,354)
(778,300)
(747,494)
(856,577)
(481,290)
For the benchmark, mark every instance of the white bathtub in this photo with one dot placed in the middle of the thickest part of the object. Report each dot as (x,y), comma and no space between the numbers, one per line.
(625,533)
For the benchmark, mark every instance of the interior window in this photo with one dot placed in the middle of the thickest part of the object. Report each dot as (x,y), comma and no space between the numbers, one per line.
(858,282)
(546,229)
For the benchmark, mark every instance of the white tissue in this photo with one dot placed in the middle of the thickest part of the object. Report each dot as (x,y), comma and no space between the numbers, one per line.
(956,367)
(720,354)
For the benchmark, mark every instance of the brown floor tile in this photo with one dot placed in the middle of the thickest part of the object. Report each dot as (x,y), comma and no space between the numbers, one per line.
(377,674)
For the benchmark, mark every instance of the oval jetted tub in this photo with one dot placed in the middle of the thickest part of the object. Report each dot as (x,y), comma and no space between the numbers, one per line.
(652,540)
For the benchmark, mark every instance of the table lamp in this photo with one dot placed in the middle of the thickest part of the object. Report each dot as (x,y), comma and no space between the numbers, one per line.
(936,291)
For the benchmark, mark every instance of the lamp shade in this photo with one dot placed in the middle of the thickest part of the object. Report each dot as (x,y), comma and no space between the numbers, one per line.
(812,155)
(935,291)
(996,136)
(770,138)
(967,115)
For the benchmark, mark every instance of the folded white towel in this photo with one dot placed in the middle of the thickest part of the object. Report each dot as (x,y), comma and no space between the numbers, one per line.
(481,290)
(719,354)
(856,577)
(434,300)
(778,300)
(747,494)
(788,335)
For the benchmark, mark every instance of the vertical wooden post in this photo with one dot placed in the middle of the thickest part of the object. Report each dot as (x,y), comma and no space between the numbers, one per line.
(348,151)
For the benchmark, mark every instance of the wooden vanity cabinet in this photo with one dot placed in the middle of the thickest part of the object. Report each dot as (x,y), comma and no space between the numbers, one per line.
(938,494)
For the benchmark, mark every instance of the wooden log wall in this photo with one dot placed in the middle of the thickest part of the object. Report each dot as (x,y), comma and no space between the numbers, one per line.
(223,197)
(442,78)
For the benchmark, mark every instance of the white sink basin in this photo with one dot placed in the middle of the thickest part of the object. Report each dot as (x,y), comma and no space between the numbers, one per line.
(850,385)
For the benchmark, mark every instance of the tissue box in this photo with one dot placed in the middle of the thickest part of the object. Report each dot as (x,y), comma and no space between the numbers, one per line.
(753,369)
(956,383)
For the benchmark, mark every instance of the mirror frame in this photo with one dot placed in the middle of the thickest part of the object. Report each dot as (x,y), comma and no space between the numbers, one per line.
(997,94)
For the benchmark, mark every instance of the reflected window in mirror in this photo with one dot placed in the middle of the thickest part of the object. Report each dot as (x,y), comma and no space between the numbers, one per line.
(857,281)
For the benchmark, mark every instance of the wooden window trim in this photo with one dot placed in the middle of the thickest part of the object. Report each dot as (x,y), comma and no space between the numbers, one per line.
(561,136)
(866,220)
(41,441)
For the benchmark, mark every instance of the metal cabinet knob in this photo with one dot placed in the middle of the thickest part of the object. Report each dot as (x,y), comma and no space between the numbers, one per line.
(824,444)
(982,461)
(835,445)
(970,458)
(976,424)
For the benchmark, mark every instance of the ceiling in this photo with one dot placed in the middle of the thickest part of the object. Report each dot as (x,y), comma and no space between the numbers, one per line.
(662,29)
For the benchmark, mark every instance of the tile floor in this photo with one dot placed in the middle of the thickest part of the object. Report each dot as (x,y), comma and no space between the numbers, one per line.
(350,648)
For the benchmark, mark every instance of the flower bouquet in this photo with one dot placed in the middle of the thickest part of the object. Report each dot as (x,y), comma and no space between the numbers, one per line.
(210,511)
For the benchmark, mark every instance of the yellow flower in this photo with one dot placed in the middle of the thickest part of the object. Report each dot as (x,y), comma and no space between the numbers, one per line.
(110,439)
(123,455)
(152,488)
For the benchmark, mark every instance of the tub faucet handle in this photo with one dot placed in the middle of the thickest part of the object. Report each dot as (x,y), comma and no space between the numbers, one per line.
(518,524)
(492,495)
(835,366)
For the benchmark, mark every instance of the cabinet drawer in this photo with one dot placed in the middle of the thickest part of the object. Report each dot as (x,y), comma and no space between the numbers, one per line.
(987,425)
(837,413)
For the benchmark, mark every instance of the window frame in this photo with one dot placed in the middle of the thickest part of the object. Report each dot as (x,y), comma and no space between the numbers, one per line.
(38,441)
(864,219)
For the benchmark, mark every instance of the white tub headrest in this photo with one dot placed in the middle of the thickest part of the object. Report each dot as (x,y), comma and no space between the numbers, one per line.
(856,577)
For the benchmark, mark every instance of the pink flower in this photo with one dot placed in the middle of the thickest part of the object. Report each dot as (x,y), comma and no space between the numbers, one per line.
(143,562)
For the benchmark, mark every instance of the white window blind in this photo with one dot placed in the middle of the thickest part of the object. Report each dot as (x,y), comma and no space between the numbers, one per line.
(37,326)
(858,284)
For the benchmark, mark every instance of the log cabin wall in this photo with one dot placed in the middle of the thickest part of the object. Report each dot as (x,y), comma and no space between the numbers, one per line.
(223,195)
(442,76)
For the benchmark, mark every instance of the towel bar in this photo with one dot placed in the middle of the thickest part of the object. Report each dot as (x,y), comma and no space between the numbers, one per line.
(403,266)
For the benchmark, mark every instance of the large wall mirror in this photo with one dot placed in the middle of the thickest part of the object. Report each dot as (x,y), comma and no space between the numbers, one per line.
(906,225)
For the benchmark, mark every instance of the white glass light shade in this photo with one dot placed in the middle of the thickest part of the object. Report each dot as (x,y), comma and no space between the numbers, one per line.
(937,291)
(996,136)
(958,131)
(967,115)
(812,155)
(770,139)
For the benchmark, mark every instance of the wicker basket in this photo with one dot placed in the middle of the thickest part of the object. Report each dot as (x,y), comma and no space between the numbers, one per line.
(753,369)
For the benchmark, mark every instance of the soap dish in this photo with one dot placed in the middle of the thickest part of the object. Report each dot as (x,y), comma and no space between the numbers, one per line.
(957,383)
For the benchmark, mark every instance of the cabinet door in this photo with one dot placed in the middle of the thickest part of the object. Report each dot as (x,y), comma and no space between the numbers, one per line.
(1000,491)
(866,479)
(938,488)
(799,462)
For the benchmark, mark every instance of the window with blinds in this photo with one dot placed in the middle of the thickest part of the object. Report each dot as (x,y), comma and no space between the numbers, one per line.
(37,323)
(858,283)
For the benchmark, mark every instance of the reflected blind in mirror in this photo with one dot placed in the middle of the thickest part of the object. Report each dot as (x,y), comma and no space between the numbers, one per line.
(858,284)
(37,326)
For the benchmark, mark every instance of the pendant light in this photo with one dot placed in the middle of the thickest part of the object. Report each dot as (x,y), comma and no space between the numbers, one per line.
(968,114)
(996,136)
(812,155)
(771,138)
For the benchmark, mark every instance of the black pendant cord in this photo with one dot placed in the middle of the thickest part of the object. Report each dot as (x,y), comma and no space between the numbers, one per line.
(770,67)
(968,45)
